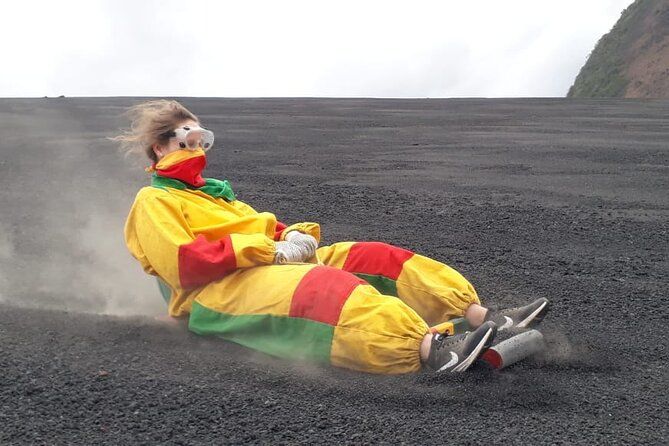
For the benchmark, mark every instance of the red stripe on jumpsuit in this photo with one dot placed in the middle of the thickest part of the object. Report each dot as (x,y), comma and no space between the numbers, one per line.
(202,261)
(322,293)
(376,258)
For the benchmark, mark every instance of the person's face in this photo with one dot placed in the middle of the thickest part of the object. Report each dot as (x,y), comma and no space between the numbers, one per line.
(172,144)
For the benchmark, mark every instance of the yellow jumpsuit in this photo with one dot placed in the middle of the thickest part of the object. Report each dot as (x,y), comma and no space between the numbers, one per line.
(365,306)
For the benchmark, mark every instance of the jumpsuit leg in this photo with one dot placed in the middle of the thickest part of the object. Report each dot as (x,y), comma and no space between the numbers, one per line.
(312,312)
(437,292)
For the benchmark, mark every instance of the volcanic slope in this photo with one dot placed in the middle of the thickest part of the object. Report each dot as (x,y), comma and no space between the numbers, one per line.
(565,199)
(631,60)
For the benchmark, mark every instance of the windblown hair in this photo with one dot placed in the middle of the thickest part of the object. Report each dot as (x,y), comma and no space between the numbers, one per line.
(150,121)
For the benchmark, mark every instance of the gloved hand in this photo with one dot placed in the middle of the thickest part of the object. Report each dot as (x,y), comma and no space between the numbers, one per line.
(298,247)
(306,241)
(288,252)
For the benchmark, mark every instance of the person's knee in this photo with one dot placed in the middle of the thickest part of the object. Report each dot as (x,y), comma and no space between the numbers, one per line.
(377,258)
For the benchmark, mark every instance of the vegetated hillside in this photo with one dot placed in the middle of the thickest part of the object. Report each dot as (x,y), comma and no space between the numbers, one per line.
(632,60)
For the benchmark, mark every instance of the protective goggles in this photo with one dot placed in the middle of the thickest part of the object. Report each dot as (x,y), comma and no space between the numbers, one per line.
(192,136)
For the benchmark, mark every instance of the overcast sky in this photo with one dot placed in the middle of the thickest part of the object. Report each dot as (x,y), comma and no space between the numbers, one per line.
(465,48)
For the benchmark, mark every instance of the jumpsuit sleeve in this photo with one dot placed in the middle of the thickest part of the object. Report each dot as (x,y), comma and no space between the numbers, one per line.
(182,259)
(313,229)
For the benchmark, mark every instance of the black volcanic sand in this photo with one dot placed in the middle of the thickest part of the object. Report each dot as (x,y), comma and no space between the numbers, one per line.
(566,199)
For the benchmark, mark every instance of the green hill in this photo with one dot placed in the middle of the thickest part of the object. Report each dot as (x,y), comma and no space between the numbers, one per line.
(632,60)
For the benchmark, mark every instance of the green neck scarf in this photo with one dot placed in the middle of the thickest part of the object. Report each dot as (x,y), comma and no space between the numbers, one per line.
(213,187)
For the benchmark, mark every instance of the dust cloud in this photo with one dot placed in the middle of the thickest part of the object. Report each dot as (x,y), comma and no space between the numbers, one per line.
(6,251)
(66,192)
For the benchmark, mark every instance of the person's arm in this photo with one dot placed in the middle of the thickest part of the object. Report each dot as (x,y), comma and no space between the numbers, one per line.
(184,260)
(312,229)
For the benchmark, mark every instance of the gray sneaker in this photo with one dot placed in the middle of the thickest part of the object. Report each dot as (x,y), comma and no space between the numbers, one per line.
(519,317)
(458,352)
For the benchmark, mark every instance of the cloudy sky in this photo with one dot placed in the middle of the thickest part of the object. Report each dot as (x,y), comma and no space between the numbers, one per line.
(447,48)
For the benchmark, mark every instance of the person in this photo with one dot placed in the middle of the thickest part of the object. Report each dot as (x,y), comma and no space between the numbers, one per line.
(249,278)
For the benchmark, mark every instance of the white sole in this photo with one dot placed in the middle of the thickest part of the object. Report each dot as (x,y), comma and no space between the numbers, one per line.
(531,317)
(464,365)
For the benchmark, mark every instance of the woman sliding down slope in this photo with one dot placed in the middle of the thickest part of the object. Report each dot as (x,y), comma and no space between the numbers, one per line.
(251,279)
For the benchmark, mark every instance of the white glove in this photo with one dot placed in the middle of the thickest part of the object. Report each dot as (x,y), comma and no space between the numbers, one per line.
(298,247)
(307,242)
(288,252)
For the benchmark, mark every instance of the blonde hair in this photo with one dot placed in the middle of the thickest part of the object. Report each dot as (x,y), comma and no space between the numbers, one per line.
(149,122)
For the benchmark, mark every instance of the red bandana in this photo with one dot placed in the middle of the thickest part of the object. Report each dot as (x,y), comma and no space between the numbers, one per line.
(183,165)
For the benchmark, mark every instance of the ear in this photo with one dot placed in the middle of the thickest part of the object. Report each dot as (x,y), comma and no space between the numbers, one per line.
(158,150)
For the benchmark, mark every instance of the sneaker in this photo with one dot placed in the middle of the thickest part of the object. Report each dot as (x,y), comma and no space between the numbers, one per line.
(458,352)
(519,317)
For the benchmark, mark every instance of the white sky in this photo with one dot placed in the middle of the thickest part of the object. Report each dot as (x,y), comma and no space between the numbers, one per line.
(339,48)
